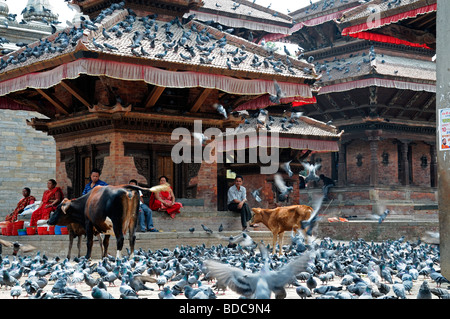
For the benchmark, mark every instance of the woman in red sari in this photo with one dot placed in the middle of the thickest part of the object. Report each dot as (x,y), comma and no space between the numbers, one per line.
(165,200)
(24,202)
(50,200)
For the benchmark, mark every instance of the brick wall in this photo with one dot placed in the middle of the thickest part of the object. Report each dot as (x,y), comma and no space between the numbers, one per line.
(387,173)
(119,169)
(421,175)
(27,159)
(358,175)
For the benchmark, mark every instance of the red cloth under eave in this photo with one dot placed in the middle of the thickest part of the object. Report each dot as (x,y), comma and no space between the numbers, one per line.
(304,101)
(386,39)
(360,30)
(392,19)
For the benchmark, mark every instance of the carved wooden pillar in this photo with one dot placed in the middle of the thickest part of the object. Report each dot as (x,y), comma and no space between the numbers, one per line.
(342,165)
(433,165)
(405,163)
(373,143)
(374,137)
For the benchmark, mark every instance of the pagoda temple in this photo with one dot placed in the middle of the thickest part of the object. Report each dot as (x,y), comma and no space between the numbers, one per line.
(378,85)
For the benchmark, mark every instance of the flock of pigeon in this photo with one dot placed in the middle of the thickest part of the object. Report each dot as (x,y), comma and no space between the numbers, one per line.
(323,269)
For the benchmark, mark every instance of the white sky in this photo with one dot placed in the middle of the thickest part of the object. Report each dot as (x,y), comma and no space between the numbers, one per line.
(65,13)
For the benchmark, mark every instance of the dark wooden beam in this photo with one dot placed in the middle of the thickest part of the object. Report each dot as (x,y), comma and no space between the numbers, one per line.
(200,100)
(54,101)
(76,93)
(153,96)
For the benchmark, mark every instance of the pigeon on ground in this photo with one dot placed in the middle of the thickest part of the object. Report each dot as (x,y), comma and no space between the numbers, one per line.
(206,229)
(99,293)
(303,292)
(424,291)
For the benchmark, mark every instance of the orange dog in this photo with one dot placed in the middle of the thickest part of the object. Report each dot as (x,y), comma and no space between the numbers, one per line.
(282,219)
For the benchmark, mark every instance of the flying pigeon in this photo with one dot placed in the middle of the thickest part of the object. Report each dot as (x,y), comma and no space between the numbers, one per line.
(256,194)
(220,109)
(286,166)
(282,188)
(312,168)
(259,284)
(279,94)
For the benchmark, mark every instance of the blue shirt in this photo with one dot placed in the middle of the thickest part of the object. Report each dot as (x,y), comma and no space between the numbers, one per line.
(88,187)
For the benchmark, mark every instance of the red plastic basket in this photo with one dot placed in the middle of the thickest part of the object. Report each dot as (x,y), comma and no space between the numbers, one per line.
(64,231)
(51,230)
(31,230)
(18,224)
(41,230)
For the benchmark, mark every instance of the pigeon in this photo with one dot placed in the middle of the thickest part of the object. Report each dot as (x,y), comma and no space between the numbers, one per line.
(99,293)
(25,248)
(440,293)
(312,169)
(166,293)
(109,46)
(105,34)
(220,228)
(282,188)
(312,220)
(256,195)
(220,109)
(399,290)
(286,51)
(287,168)
(438,278)
(191,230)
(16,291)
(98,45)
(137,281)
(257,284)
(200,138)
(424,291)
(311,283)
(303,292)
(381,217)
(206,229)
(325,289)
(243,240)
(275,99)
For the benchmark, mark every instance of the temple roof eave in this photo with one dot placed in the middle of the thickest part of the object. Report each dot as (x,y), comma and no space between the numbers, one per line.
(84,48)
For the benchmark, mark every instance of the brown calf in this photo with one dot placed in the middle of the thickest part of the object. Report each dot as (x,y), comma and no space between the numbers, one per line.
(281,219)
(77,230)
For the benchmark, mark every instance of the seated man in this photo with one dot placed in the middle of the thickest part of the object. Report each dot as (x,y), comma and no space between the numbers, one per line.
(327,184)
(237,198)
(95,181)
(24,202)
(145,213)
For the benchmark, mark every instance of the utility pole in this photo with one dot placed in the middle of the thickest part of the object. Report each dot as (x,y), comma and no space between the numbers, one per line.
(443,130)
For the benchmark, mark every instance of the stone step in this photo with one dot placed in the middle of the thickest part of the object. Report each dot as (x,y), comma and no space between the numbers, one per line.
(231,221)
(57,245)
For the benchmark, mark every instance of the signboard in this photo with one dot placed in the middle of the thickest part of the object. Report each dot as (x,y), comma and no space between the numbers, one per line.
(444,129)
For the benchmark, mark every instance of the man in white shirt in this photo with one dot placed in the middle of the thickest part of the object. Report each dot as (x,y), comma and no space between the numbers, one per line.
(145,218)
(237,201)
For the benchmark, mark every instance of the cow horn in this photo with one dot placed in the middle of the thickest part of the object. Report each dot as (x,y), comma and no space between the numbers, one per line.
(64,206)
